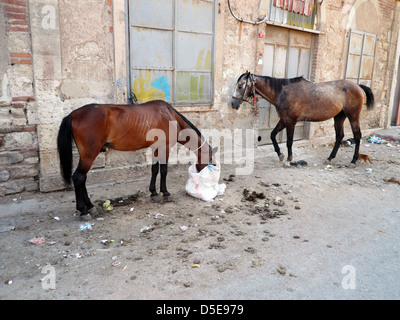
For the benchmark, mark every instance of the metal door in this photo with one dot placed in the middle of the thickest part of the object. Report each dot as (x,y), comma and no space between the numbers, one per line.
(287,54)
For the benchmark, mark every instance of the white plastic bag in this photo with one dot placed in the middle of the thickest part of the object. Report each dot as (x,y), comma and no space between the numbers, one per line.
(204,184)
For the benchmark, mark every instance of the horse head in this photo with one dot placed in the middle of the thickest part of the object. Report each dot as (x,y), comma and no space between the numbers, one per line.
(208,154)
(243,90)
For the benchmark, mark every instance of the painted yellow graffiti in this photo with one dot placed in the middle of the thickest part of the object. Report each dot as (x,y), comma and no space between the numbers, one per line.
(192,86)
(145,90)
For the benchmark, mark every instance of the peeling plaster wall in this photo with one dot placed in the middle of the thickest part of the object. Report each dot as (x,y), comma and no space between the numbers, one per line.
(87,50)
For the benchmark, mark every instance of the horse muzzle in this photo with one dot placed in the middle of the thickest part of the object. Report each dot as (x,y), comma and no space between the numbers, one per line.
(235,103)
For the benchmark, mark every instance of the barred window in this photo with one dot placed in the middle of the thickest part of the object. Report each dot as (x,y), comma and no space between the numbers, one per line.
(361,57)
(172,50)
(296,13)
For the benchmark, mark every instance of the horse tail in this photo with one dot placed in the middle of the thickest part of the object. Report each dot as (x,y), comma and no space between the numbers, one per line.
(370,96)
(64,146)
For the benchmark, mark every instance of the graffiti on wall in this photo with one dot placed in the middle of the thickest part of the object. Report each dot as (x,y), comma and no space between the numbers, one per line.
(149,86)
(191,85)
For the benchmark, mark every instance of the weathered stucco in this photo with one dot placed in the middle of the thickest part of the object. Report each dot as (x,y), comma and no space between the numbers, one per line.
(58,55)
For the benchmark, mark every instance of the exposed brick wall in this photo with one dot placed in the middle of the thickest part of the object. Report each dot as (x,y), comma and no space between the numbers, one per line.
(16,14)
(21,58)
(387,7)
(19,152)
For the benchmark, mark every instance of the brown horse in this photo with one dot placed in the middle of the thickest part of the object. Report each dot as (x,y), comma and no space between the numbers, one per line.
(298,99)
(154,124)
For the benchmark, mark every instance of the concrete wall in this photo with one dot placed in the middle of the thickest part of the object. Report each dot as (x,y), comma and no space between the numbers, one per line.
(19,158)
(58,55)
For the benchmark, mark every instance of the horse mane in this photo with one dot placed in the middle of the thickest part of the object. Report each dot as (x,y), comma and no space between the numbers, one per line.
(278,83)
(242,75)
(190,124)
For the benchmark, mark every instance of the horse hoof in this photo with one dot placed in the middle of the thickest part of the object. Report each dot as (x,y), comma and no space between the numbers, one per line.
(352,165)
(86,217)
(327,161)
(155,199)
(168,199)
(281,157)
(287,164)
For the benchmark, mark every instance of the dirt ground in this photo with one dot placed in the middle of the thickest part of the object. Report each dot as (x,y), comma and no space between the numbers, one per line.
(315,232)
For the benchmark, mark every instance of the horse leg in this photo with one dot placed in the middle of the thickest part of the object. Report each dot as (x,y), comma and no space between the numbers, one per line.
(339,121)
(355,127)
(154,172)
(279,127)
(83,203)
(289,141)
(163,180)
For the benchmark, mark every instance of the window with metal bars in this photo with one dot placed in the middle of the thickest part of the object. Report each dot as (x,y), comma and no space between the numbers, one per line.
(361,57)
(172,50)
(297,13)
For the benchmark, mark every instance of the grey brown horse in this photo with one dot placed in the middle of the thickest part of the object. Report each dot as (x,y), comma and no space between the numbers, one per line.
(298,99)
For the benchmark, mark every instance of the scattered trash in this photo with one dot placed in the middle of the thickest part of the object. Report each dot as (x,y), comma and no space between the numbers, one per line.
(279,202)
(107,242)
(158,215)
(107,205)
(299,164)
(131,209)
(393,180)
(374,139)
(183,228)
(204,184)
(116,263)
(348,142)
(369,170)
(57,218)
(146,229)
(86,226)
(195,265)
(6,228)
(378,140)
(9,282)
(37,241)
(328,167)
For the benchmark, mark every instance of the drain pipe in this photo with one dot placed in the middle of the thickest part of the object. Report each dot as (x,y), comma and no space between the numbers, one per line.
(244,20)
